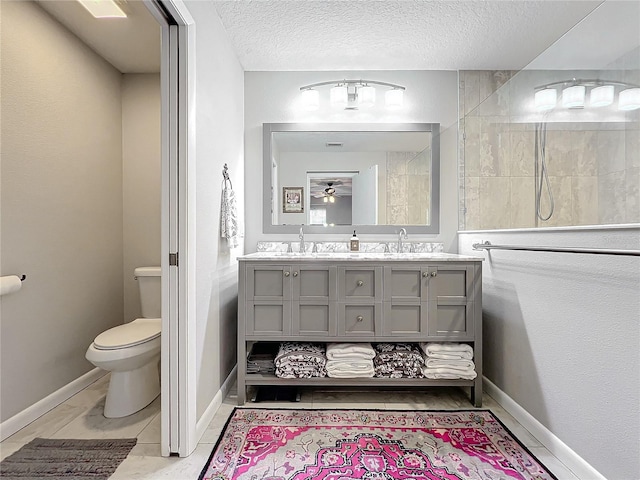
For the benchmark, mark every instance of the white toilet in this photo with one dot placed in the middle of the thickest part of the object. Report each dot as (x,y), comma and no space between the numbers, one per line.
(131,352)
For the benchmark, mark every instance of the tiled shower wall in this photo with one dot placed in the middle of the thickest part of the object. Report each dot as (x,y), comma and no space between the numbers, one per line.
(593,167)
(408,187)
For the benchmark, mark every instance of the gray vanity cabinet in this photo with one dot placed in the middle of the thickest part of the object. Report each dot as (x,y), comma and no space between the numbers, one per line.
(359,299)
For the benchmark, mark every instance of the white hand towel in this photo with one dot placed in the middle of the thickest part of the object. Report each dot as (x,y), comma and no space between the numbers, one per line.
(354,369)
(448,373)
(448,350)
(453,364)
(350,351)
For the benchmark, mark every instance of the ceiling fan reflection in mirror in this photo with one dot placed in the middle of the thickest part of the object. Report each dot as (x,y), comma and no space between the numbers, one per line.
(329,190)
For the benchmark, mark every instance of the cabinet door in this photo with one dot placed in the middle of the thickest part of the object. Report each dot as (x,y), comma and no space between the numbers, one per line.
(360,284)
(402,319)
(451,312)
(268,282)
(404,283)
(314,300)
(268,294)
(405,300)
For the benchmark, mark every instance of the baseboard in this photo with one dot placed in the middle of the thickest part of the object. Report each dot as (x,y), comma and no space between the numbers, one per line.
(35,411)
(211,410)
(557,447)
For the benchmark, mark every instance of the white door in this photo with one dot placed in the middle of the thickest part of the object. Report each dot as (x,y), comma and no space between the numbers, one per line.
(364,200)
(177,379)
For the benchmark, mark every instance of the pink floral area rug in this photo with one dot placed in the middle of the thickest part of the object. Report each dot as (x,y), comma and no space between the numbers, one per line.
(287,444)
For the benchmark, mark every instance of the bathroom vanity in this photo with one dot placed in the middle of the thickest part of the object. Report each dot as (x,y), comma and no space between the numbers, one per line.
(359,297)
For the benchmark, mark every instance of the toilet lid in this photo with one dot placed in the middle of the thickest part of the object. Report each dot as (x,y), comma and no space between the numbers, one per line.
(139,331)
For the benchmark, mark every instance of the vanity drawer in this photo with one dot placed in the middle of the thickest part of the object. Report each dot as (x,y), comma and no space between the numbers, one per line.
(355,320)
(360,284)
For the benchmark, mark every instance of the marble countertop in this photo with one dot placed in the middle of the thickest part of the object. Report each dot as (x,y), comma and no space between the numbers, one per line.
(361,256)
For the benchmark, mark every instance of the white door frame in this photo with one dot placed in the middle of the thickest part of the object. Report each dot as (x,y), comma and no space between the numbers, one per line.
(178,359)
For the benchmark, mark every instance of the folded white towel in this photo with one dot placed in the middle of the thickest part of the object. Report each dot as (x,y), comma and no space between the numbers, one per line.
(448,373)
(453,364)
(445,351)
(350,351)
(351,369)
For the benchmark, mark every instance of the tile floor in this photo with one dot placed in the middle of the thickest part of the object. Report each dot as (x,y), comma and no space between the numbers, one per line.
(81,417)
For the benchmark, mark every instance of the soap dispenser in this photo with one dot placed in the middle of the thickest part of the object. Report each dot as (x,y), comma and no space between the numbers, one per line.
(354,245)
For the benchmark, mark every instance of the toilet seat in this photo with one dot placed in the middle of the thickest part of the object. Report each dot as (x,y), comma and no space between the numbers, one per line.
(137,332)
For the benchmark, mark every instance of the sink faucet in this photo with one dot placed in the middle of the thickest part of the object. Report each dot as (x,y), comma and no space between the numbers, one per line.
(301,236)
(401,235)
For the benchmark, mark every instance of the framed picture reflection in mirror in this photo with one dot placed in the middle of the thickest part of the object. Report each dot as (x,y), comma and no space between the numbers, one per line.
(292,199)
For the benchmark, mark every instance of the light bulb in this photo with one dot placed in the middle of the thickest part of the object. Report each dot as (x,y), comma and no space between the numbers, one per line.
(546,99)
(310,99)
(338,96)
(601,96)
(332,199)
(325,199)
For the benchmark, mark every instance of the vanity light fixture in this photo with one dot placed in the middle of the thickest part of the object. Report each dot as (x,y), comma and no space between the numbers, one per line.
(103,8)
(352,94)
(602,94)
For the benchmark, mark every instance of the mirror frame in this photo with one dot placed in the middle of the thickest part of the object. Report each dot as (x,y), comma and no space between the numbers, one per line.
(267,134)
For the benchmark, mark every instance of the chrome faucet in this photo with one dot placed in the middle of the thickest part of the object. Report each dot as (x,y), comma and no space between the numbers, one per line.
(402,235)
(301,236)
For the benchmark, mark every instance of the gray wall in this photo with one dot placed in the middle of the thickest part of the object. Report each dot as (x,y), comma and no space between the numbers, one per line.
(61,204)
(219,140)
(561,336)
(273,97)
(141,181)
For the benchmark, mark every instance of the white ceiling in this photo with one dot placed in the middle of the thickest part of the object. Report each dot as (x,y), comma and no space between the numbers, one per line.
(294,35)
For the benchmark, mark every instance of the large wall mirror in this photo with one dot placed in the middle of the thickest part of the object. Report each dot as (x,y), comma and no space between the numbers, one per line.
(336,178)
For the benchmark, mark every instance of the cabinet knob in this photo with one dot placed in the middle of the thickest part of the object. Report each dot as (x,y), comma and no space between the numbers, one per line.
(433,274)
(295,274)
(286,274)
(425,274)
(359,318)
(360,283)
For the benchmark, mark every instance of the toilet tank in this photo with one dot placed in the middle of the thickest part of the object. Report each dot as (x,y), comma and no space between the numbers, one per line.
(150,290)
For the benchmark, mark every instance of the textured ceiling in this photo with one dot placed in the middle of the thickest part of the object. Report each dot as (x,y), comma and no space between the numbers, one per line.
(395,35)
(286,35)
